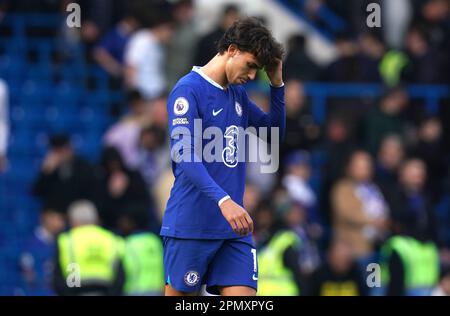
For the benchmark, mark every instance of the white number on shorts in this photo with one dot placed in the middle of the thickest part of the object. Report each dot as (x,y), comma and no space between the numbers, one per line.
(254,259)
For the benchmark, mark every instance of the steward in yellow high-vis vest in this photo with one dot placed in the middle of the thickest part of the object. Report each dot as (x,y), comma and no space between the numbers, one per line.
(419,261)
(143,255)
(143,263)
(275,279)
(89,257)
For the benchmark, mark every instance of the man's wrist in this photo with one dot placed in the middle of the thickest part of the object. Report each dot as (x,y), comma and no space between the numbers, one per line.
(223,200)
(276,84)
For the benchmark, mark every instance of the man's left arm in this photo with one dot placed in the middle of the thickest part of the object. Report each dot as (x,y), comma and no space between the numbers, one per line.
(276,117)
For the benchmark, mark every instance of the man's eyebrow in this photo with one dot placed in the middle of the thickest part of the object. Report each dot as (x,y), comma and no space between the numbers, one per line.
(255,65)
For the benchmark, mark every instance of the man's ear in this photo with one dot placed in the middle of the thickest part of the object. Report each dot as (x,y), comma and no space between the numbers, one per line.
(232,50)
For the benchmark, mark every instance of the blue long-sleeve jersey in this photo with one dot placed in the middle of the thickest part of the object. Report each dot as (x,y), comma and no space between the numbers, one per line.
(200,182)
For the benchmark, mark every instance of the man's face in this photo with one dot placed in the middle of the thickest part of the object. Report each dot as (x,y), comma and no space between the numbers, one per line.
(166,32)
(360,168)
(414,174)
(241,66)
(53,221)
(65,153)
(391,153)
(139,107)
(295,96)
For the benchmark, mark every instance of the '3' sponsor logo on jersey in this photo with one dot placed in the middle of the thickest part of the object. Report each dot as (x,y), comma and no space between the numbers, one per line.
(229,153)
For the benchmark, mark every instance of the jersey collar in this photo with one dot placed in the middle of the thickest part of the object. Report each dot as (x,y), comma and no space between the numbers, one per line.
(198,70)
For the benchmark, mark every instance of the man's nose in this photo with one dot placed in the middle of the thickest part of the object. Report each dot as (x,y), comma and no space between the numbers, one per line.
(252,74)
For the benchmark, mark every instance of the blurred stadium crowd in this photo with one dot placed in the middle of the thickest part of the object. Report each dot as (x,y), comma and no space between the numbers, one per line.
(86,160)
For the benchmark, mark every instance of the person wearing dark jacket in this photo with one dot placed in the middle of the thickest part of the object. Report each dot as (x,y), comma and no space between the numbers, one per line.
(410,259)
(410,203)
(302,131)
(206,48)
(64,177)
(338,275)
(117,187)
(287,252)
(299,66)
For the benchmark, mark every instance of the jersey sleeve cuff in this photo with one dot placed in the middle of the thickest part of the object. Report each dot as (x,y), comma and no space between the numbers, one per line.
(280,86)
(223,200)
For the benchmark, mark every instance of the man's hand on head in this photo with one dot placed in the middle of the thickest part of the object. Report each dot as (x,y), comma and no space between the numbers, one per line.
(275,73)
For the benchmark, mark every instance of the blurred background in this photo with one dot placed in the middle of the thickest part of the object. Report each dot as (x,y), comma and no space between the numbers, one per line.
(364,170)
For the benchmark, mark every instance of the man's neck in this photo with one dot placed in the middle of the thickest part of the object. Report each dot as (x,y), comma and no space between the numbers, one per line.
(215,69)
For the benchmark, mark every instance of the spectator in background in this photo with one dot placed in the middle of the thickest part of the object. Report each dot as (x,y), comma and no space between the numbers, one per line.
(339,275)
(125,134)
(296,181)
(386,118)
(252,197)
(154,156)
(302,132)
(144,55)
(118,186)
(412,207)
(294,216)
(409,259)
(389,159)
(371,51)
(37,254)
(298,64)
(338,146)
(354,13)
(206,48)
(360,212)
(265,224)
(110,51)
(99,17)
(64,176)
(158,111)
(279,271)
(4,124)
(436,17)
(346,67)
(97,253)
(423,59)
(181,48)
(429,148)
(143,256)
(435,14)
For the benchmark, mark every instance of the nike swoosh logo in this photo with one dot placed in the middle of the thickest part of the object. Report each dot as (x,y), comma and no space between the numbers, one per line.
(217,113)
(254,277)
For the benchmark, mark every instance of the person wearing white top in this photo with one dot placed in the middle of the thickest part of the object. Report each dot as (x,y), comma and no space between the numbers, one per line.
(144,56)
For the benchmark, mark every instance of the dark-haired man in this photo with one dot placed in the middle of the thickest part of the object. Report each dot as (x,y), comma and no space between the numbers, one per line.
(207,232)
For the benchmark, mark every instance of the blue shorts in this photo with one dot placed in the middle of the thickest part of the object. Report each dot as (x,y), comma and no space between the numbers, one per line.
(190,263)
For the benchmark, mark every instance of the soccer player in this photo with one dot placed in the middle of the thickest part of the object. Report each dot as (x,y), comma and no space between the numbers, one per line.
(206,231)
